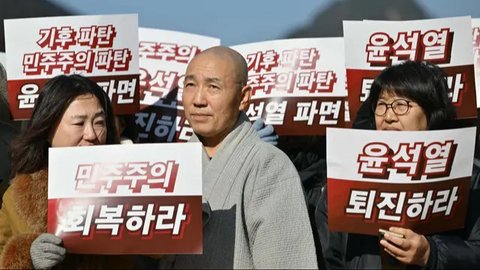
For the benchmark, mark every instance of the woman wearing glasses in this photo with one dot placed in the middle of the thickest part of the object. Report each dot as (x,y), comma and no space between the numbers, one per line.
(409,96)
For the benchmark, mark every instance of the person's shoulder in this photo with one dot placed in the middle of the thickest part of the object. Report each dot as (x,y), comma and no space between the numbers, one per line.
(30,181)
(268,150)
(7,195)
(270,158)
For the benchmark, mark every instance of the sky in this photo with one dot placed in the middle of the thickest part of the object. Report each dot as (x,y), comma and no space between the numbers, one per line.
(239,21)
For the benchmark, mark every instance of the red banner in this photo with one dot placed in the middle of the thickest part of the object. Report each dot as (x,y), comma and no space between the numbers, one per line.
(299,115)
(123,91)
(136,225)
(365,207)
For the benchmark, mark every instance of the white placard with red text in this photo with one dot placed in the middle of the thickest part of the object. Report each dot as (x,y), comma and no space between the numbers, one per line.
(127,199)
(164,56)
(476,55)
(370,46)
(103,48)
(415,179)
(298,85)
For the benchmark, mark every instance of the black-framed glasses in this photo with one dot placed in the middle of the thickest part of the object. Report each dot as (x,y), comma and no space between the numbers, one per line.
(399,107)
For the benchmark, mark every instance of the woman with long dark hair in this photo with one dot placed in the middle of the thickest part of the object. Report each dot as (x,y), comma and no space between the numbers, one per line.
(70,111)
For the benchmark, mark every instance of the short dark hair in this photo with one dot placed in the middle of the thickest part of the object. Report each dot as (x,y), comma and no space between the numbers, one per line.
(421,82)
(30,149)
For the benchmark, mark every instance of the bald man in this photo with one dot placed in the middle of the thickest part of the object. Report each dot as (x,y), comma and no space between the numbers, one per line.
(259,217)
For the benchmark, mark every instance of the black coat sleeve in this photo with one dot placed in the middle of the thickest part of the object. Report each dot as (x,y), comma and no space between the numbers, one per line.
(460,249)
(333,243)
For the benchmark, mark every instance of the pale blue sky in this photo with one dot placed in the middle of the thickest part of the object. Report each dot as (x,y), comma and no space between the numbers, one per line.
(239,21)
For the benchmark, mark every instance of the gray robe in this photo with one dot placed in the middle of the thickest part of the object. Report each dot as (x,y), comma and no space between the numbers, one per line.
(259,217)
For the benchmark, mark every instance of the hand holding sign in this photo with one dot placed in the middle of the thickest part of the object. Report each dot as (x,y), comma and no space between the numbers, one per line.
(413,248)
(47,251)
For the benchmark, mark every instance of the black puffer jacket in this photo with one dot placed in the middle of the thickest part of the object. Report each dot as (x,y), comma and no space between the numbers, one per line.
(458,249)
(312,170)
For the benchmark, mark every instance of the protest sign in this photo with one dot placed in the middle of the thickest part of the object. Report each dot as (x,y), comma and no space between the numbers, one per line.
(103,48)
(127,199)
(414,179)
(298,85)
